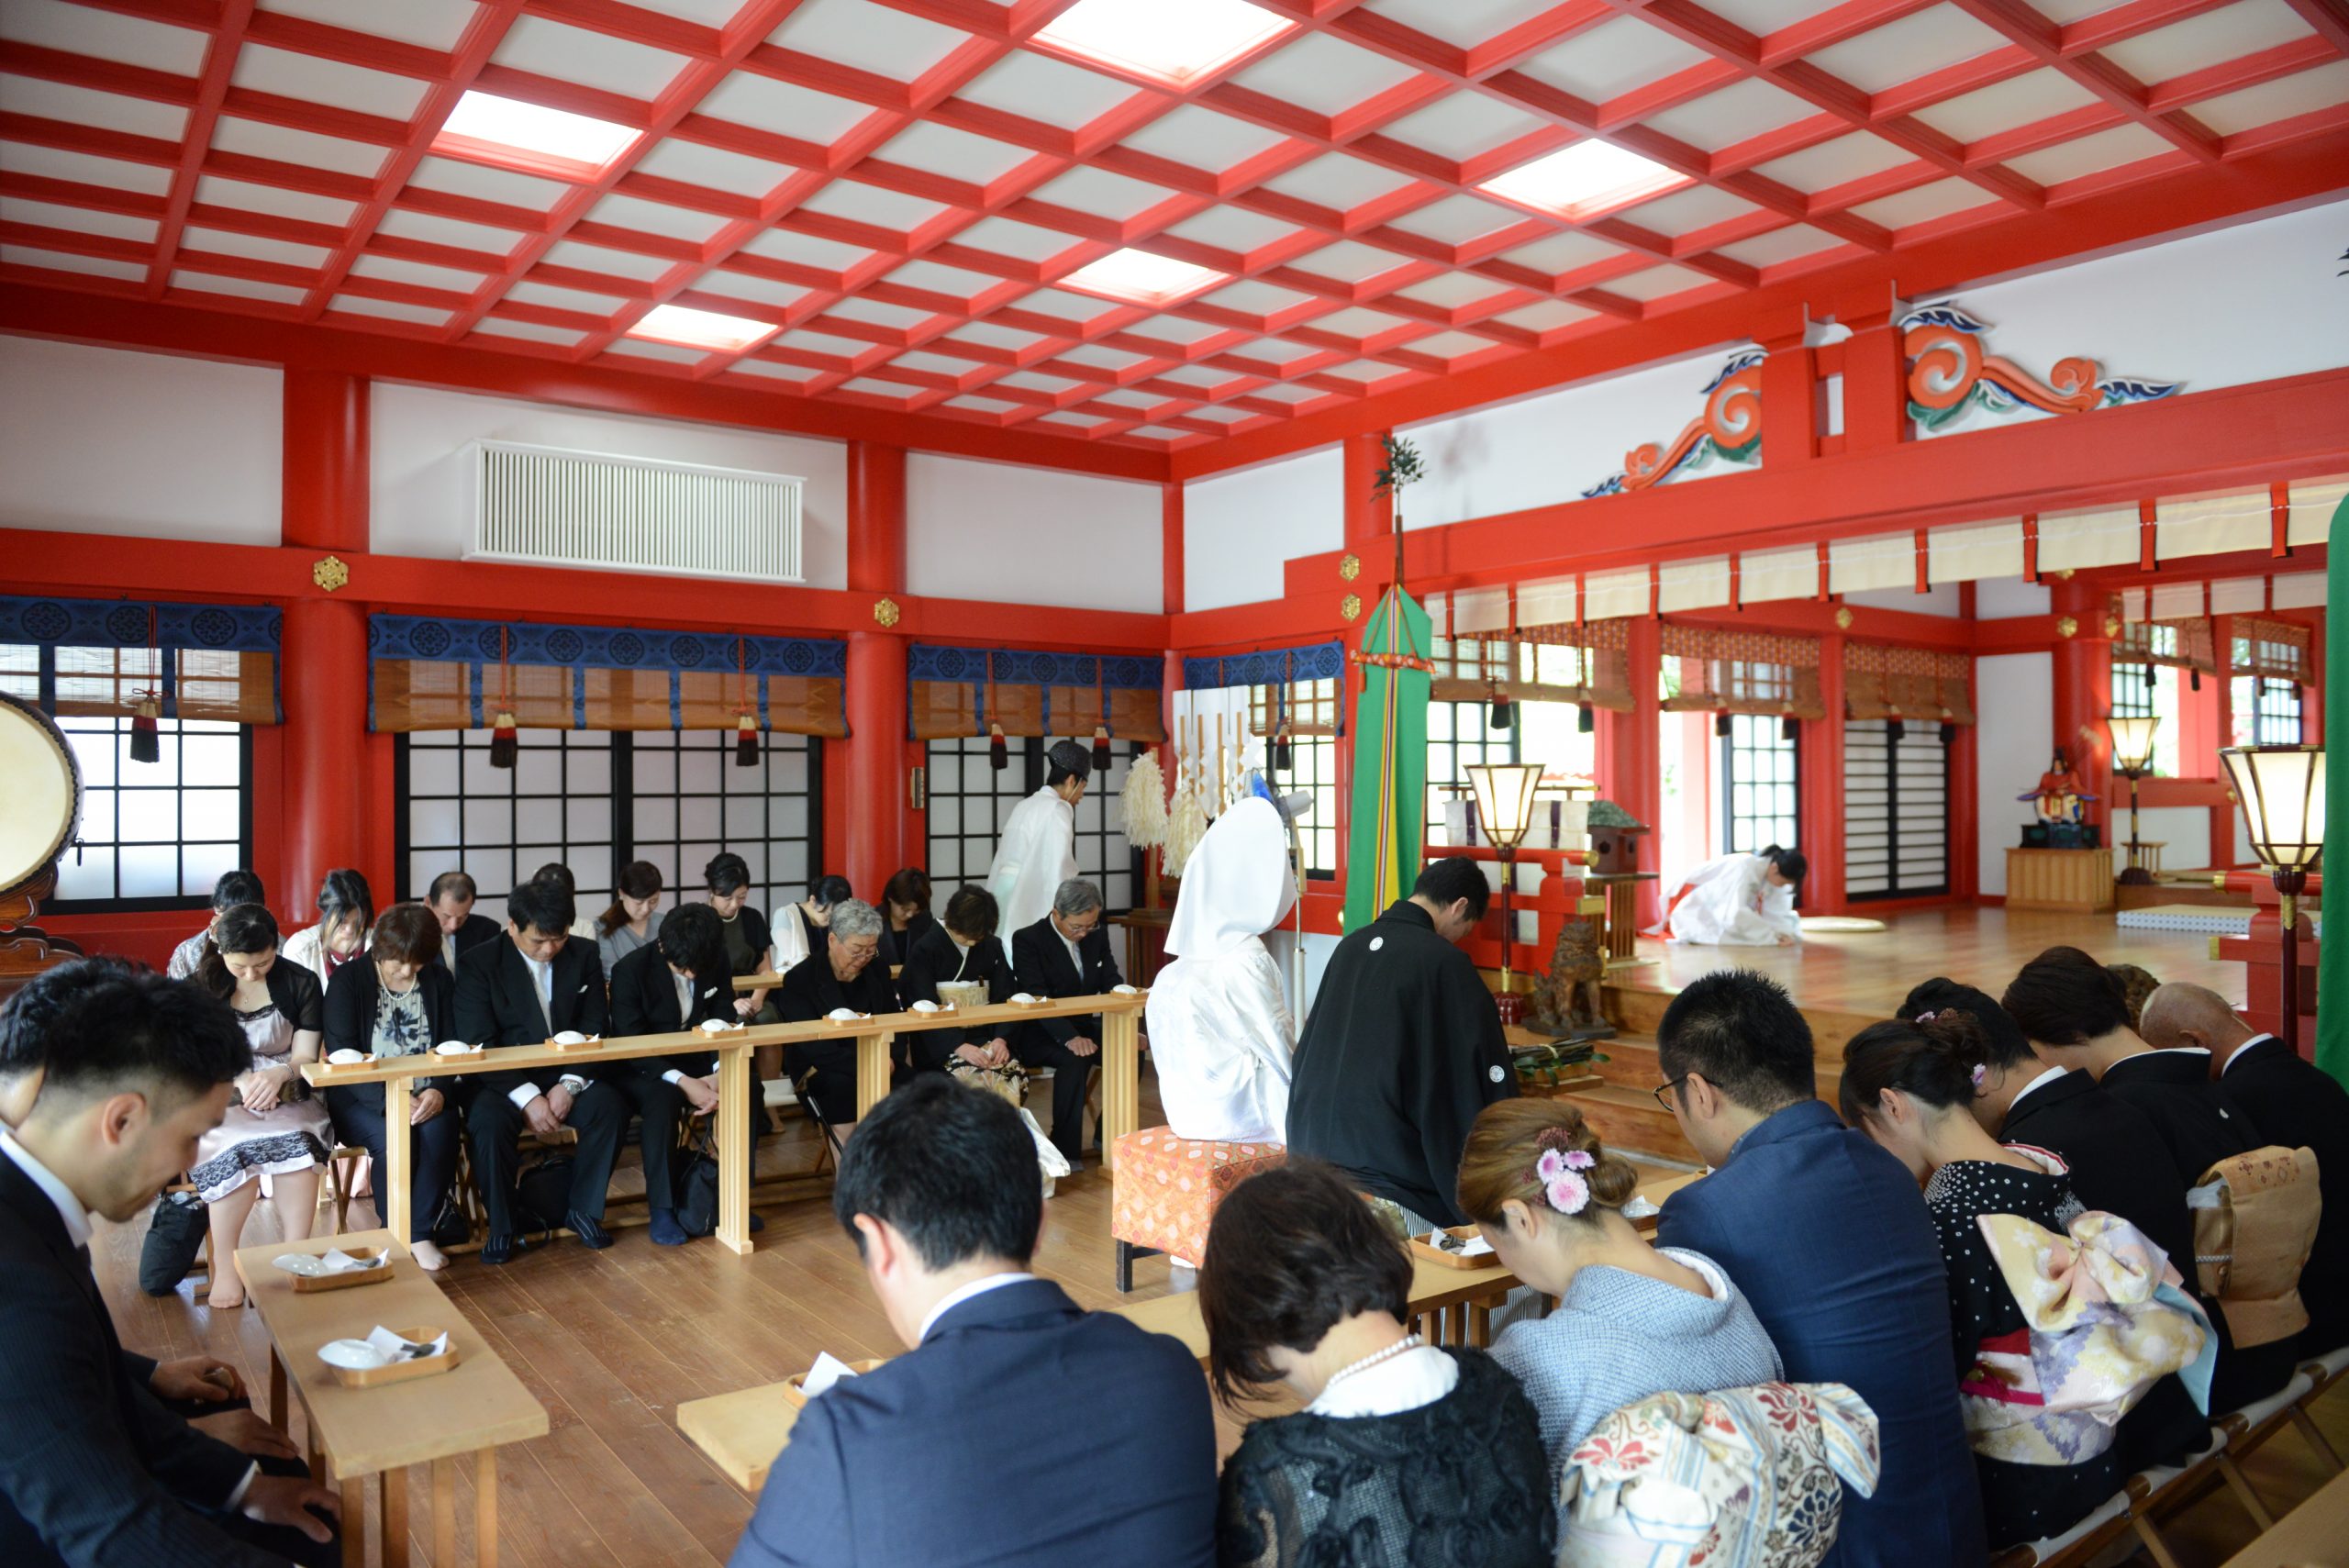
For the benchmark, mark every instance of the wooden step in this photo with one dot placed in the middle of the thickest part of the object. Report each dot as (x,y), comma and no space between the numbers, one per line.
(1631,1061)
(1628,1121)
(1638,1008)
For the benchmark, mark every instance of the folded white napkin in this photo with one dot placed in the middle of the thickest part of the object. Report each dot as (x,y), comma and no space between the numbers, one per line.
(346,1057)
(396,1348)
(1475,1247)
(1639,1209)
(828,1369)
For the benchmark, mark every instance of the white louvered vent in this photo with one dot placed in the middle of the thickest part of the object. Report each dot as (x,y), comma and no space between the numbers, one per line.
(550,506)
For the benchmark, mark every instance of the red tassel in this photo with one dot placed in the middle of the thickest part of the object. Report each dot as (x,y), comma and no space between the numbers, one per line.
(146,740)
(504,745)
(998,750)
(746,742)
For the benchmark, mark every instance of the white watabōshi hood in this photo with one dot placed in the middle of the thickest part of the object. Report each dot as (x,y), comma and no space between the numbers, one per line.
(1237,884)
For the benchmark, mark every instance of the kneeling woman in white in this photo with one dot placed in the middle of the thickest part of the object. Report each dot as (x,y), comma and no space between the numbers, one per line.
(1739,900)
(1220,1032)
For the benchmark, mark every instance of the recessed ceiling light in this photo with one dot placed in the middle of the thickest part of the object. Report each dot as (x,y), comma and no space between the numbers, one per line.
(700,328)
(1141,278)
(1172,43)
(1591,174)
(506,127)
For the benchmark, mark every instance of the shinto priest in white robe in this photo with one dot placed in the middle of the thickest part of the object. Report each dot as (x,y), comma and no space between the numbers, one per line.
(1730,902)
(1037,850)
(1220,1031)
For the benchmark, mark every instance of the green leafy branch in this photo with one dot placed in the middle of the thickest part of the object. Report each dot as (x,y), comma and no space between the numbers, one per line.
(1403,466)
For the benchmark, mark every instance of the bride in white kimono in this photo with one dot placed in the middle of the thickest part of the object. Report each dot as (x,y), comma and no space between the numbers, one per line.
(1739,900)
(1220,1031)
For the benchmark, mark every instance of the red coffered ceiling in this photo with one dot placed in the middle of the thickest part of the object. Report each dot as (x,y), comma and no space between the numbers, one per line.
(901,190)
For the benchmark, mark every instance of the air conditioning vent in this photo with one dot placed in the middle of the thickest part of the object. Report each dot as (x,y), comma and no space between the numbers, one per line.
(548,506)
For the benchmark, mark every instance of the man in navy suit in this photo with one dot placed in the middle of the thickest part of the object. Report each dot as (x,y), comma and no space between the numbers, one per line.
(1831,1241)
(1019,1429)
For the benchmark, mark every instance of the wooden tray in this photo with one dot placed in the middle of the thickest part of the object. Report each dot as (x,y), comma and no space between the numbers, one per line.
(397,1372)
(1454,1259)
(1037,1002)
(304,1285)
(861,1019)
(579,1045)
(792,1384)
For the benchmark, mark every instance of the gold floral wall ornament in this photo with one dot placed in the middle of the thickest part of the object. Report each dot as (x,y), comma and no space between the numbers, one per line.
(328,572)
(1843,618)
(1351,607)
(2068,627)
(886,611)
(1350,566)
(2113,626)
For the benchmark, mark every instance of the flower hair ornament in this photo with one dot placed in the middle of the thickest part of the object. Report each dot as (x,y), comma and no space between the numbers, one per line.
(1927,1018)
(1979,1074)
(1560,1173)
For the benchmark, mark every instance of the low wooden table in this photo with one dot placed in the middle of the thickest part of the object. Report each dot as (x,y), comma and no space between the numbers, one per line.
(2310,1536)
(358,1432)
(743,1432)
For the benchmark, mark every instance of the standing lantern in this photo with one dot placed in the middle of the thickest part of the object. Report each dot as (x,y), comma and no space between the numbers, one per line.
(2282,791)
(2133,759)
(1505,808)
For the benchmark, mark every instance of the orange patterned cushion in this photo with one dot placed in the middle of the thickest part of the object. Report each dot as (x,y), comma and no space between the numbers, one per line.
(1164,1188)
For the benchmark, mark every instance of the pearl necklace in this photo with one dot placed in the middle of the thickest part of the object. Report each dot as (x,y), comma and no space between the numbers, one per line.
(1407,1342)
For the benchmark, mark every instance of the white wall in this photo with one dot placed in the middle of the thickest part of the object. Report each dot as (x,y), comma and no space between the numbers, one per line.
(2250,302)
(109,441)
(1032,536)
(1942,601)
(2003,598)
(2015,697)
(423,486)
(1552,447)
(1239,530)
(2183,831)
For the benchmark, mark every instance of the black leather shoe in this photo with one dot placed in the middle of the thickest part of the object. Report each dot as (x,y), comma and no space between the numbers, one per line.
(757,1224)
(591,1234)
(500,1247)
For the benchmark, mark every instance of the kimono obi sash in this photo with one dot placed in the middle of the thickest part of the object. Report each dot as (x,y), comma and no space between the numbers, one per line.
(2255,1219)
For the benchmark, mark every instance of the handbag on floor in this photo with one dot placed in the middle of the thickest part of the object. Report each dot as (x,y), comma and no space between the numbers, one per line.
(174,1238)
(697,1185)
(542,1195)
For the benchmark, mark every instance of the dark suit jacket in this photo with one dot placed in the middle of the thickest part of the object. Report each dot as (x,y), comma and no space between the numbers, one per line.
(1040,965)
(935,958)
(2300,1105)
(497,1004)
(1092,1478)
(1831,1241)
(810,990)
(477,930)
(896,947)
(644,1001)
(350,1008)
(96,1472)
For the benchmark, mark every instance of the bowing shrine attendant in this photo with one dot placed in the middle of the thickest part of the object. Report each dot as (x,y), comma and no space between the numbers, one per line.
(1038,851)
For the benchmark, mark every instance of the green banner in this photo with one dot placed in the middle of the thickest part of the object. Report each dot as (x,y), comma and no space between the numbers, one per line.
(1390,779)
(2333,957)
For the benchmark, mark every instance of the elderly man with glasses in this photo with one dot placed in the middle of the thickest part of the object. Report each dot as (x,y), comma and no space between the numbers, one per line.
(1066,954)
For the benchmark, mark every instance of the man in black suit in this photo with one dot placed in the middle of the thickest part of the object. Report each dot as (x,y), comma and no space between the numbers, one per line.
(2296,1105)
(2075,1013)
(450,899)
(97,1472)
(523,990)
(1066,954)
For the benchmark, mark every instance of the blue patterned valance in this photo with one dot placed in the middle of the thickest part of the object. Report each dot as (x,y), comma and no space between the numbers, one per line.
(1267,667)
(96,657)
(432,673)
(968,690)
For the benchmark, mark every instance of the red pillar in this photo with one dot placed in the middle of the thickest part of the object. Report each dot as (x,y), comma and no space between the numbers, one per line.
(2083,692)
(329,755)
(1790,413)
(1369,516)
(1875,377)
(877,814)
(1820,769)
(1630,748)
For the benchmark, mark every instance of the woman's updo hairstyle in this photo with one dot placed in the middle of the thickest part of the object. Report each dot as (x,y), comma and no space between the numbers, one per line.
(1505,1150)
(1936,1058)
(241,929)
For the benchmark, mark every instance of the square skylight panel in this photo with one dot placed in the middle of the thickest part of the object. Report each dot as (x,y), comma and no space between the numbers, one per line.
(1138,277)
(699,328)
(545,140)
(1173,44)
(1586,177)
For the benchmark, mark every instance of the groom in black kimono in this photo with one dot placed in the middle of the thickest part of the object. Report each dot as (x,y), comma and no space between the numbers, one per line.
(1403,1048)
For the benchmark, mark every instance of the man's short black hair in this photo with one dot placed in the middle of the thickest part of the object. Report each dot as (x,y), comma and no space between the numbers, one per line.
(451,882)
(1744,1035)
(102,1024)
(953,1168)
(235,887)
(1449,881)
(2002,1041)
(2066,997)
(540,905)
(693,937)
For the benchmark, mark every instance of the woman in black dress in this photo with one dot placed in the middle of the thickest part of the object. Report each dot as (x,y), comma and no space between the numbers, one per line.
(905,909)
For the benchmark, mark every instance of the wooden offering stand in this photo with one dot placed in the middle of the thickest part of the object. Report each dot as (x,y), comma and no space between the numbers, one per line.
(310,1285)
(400,1371)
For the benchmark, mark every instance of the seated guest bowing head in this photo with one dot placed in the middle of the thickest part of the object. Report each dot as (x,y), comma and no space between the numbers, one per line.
(235,887)
(400,1003)
(961,950)
(1910,1087)
(99,1472)
(1042,1435)
(799,927)
(523,990)
(905,900)
(450,899)
(677,983)
(633,919)
(346,921)
(1632,1320)
(841,976)
(749,949)
(1404,1453)
(582,925)
(1066,954)
(276,1128)
(2296,1105)
(1829,1240)
(1402,1049)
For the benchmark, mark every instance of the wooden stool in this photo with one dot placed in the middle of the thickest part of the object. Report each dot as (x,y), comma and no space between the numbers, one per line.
(1163,1190)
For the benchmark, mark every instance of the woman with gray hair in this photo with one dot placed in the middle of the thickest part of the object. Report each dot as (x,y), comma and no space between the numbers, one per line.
(840,977)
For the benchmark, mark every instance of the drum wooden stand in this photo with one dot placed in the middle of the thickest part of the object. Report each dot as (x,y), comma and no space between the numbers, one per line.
(45,810)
